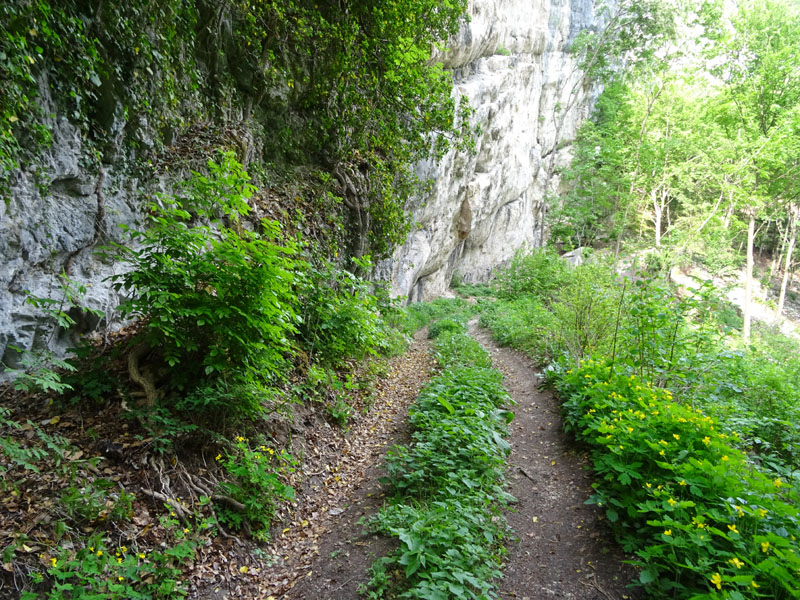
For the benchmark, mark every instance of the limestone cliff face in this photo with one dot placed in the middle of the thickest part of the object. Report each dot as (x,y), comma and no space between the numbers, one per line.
(509,61)
(512,65)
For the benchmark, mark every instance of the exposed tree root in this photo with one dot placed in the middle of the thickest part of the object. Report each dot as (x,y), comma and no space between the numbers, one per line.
(144,380)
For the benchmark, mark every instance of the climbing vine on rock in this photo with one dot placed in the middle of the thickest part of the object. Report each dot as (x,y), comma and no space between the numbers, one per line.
(301,82)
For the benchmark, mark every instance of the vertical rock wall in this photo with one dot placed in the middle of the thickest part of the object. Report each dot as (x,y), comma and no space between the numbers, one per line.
(52,223)
(511,63)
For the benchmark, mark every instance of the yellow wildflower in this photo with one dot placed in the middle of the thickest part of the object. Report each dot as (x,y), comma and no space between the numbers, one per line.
(736,562)
(668,532)
(676,436)
(733,528)
(754,584)
(716,579)
(764,546)
(671,502)
(682,482)
(706,440)
(53,561)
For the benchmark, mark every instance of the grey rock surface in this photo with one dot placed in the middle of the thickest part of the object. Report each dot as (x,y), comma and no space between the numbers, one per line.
(511,63)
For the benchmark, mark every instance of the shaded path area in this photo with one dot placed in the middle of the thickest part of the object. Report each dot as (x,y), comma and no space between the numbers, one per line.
(564,549)
(325,555)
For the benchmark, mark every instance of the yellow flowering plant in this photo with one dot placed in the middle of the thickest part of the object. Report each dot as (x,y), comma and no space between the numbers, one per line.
(701,518)
(257,481)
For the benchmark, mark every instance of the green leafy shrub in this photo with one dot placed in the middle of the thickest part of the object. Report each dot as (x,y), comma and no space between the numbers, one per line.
(100,570)
(394,335)
(339,316)
(90,501)
(220,401)
(448,489)
(256,486)
(702,520)
(339,411)
(585,311)
(50,449)
(421,314)
(446,325)
(455,441)
(451,548)
(540,273)
(524,323)
(477,290)
(214,300)
(458,349)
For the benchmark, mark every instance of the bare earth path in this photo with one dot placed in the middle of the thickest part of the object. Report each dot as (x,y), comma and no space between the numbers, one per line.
(563,548)
(331,562)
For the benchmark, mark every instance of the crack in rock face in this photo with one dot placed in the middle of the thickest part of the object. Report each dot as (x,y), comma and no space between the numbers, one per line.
(509,61)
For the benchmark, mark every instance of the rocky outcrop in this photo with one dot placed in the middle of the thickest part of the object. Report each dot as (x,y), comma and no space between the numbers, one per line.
(51,224)
(511,63)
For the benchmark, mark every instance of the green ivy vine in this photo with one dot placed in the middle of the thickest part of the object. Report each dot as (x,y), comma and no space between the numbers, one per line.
(313,82)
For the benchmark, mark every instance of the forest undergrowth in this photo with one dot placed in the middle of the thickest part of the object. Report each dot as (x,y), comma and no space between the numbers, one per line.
(129,463)
(692,434)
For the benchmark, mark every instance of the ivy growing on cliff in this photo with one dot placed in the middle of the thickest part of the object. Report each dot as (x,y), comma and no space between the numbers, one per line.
(347,86)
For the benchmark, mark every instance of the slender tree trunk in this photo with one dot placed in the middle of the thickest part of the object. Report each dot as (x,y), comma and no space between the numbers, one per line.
(657,215)
(726,222)
(795,215)
(748,280)
(777,257)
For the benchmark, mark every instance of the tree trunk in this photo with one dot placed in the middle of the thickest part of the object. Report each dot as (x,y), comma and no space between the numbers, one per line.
(777,257)
(657,215)
(748,279)
(795,215)
(726,222)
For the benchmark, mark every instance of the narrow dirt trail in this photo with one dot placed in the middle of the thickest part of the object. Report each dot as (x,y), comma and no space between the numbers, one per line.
(564,549)
(326,555)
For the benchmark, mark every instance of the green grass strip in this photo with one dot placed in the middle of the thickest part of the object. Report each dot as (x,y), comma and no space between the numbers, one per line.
(448,485)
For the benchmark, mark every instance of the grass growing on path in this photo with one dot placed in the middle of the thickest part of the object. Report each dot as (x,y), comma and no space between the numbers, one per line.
(448,484)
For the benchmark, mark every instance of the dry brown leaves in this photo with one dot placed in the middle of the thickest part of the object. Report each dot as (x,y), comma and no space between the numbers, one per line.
(336,466)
